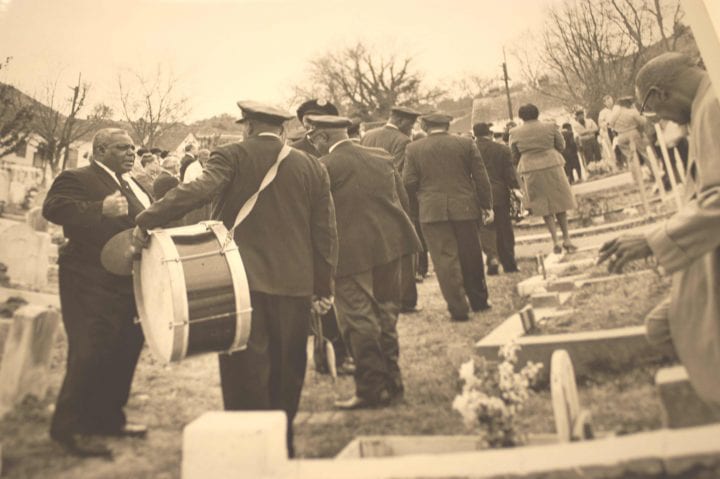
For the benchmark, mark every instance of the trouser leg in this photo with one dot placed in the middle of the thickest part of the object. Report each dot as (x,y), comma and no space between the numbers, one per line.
(386,287)
(505,237)
(409,296)
(361,329)
(422,257)
(269,374)
(657,329)
(471,263)
(443,248)
(103,348)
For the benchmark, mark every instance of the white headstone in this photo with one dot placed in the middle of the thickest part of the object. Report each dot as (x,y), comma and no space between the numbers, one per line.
(35,219)
(25,253)
(4,186)
(563,390)
(25,367)
(235,444)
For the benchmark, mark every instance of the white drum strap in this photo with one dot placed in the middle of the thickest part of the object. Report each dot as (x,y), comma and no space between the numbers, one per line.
(250,203)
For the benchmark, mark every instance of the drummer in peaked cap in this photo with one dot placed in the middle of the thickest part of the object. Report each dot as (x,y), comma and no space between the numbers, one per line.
(288,245)
(447,174)
(374,233)
(315,106)
(394,137)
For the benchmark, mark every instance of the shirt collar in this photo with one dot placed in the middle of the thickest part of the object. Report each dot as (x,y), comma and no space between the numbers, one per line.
(335,145)
(390,125)
(267,133)
(436,131)
(110,172)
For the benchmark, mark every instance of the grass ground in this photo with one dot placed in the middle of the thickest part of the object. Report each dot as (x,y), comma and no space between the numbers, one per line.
(166,398)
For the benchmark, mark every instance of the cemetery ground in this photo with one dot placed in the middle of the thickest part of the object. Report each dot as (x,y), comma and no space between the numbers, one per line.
(166,398)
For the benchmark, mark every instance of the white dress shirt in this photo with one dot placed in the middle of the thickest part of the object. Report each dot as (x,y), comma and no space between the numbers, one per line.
(137,191)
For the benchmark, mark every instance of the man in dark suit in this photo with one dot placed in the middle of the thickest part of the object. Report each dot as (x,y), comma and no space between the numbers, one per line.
(93,204)
(498,238)
(313,106)
(447,174)
(343,361)
(288,244)
(393,137)
(189,158)
(374,233)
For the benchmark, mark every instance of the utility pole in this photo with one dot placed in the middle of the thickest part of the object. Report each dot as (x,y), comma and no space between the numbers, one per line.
(507,87)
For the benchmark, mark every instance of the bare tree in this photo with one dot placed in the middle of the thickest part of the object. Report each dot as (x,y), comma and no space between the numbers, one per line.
(16,114)
(59,125)
(471,85)
(151,104)
(366,84)
(588,48)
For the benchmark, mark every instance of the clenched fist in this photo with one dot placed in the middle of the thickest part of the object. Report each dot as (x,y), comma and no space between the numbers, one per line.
(115,205)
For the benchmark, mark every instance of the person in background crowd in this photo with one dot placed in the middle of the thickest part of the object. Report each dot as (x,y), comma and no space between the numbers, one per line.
(506,133)
(354,130)
(288,244)
(629,124)
(447,175)
(606,131)
(189,158)
(171,166)
(394,137)
(314,106)
(537,147)
(423,261)
(498,238)
(142,174)
(195,168)
(374,233)
(92,204)
(29,199)
(687,245)
(586,131)
(570,153)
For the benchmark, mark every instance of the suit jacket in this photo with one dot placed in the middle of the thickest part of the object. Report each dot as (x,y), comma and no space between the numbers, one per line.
(288,242)
(303,144)
(74,202)
(447,174)
(373,228)
(688,246)
(500,169)
(538,145)
(389,139)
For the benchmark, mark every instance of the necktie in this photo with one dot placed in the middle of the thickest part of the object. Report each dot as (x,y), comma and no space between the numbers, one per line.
(134,204)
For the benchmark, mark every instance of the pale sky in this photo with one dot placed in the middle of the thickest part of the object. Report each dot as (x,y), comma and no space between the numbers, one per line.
(229,50)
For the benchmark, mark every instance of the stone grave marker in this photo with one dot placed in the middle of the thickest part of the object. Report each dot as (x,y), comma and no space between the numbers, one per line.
(25,252)
(35,219)
(572,423)
(4,186)
(24,369)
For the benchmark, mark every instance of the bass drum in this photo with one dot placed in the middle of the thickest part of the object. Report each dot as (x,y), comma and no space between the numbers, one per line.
(191,292)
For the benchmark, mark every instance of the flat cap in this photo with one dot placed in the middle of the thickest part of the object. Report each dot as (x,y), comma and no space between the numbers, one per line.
(405,111)
(142,151)
(316,106)
(155,151)
(262,111)
(437,118)
(329,121)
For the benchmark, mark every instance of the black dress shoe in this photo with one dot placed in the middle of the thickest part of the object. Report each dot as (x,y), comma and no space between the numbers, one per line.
(410,309)
(84,446)
(459,319)
(130,430)
(493,269)
(354,402)
(483,307)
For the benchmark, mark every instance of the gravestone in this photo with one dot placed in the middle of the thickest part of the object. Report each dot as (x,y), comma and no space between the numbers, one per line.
(25,366)
(681,405)
(545,300)
(35,219)
(250,443)
(4,186)
(25,252)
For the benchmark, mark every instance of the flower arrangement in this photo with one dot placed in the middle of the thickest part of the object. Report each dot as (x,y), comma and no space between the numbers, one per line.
(600,168)
(492,398)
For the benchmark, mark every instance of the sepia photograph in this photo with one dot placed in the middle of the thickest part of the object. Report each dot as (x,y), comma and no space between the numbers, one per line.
(334,239)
